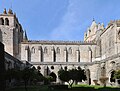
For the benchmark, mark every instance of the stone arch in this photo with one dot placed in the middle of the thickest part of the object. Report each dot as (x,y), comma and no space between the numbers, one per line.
(65,68)
(58,50)
(112,63)
(111,75)
(45,50)
(52,67)
(6,21)
(38,68)
(70,50)
(54,54)
(32,50)
(1,21)
(54,76)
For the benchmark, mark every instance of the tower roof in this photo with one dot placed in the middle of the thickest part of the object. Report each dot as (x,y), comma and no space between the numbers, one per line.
(25,38)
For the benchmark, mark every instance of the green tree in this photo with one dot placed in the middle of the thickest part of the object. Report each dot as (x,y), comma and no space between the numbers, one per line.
(117,75)
(71,76)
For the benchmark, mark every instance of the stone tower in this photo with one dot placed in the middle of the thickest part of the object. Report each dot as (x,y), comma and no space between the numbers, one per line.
(11,33)
(93,31)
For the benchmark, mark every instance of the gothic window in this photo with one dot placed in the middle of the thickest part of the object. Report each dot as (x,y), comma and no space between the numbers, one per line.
(32,50)
(6,21)
(45,50)
(78,56)
(58,50)
(1,21)
(70,51)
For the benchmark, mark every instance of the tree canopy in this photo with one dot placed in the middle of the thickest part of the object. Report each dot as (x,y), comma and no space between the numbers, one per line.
(71,76)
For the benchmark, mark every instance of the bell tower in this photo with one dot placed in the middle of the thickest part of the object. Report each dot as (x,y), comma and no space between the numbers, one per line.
(11,33)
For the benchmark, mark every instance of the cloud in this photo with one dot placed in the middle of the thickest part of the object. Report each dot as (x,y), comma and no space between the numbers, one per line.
(70,23)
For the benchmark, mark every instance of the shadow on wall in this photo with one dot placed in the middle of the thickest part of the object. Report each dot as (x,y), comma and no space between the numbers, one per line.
(1,36)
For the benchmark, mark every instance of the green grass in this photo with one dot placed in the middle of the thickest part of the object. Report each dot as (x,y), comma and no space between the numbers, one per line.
(45,88)
(92,86)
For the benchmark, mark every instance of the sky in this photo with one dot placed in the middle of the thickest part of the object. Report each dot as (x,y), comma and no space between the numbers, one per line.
(61,19)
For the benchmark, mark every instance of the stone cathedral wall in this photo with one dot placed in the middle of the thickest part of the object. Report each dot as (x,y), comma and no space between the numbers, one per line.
(63,52)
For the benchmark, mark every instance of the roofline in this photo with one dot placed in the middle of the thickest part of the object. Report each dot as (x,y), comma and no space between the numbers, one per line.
(58,42)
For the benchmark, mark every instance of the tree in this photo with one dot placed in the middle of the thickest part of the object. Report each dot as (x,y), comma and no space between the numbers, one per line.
(28,75)
(117,75)
(31,75)
(71,76)
(63,75)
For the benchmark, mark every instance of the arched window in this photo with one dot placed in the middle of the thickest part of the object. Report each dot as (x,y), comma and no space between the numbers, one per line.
(45,50)
(1,21)
(70,51)
(58,50)
(32,50)
(6,21)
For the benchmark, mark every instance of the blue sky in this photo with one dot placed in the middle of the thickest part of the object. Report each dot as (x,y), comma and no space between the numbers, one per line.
(61,19)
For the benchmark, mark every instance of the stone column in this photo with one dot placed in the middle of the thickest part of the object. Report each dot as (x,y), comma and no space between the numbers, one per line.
(90,55)
(78,55)
(26,52)
(40,54)
(53,55)
(65,55)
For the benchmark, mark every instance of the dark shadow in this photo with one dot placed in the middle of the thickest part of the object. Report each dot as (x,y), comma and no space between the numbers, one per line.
(53,75)
(112,76)
(88,76)
(1,36)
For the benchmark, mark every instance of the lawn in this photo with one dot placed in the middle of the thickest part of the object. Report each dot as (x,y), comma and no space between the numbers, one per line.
(74,88)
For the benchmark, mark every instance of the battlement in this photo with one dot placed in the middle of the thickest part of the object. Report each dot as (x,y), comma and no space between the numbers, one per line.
(117,22)
(58,42)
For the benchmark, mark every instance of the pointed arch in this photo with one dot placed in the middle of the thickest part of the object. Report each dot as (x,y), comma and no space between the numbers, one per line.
(32,50)
(45,50)
(58,50)
(54,77)
(6,21)
(112,79)
(70,50)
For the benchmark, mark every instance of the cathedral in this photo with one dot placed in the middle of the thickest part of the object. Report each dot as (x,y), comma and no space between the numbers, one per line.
(98,53)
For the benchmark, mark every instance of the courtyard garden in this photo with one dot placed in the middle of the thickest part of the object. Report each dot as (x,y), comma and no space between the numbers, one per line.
(30,78)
